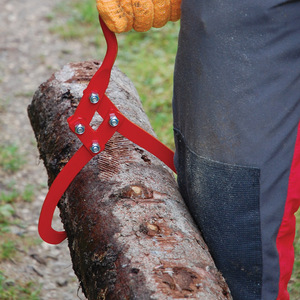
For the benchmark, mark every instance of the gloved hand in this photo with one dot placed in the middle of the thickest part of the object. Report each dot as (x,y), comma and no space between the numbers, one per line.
(141,15)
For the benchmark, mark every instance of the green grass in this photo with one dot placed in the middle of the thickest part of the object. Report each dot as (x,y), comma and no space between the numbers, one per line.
(15,290)
(10,289)
(3,104)
(7,210)
(8,197)
(294,286)
(28,194)
(11,159)
(81,19)
(6,213)
(7,249)
(148,60)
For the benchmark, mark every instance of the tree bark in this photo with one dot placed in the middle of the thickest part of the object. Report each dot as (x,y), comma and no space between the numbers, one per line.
(129,233)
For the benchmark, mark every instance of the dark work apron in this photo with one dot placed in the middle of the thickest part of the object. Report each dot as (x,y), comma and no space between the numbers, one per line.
(236,115)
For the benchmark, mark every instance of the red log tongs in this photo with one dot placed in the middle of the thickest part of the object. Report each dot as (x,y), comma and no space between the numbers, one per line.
(94,99)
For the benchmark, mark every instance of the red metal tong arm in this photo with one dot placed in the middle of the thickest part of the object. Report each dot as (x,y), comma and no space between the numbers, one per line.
(94,99)
(100,80)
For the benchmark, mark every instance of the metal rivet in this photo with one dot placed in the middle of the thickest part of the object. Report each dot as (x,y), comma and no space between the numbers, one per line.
(95,148)
(79,129)
(113,121)
(94,98)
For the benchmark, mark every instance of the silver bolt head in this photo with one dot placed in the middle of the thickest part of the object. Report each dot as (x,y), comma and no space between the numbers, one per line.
(79,129)
(113,121)
(94,98)
(95,148)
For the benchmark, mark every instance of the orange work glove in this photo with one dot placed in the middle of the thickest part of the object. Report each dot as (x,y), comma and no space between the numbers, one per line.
(141,15)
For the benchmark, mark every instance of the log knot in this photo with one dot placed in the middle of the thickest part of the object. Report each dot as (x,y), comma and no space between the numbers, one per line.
(179,281)
(136,191)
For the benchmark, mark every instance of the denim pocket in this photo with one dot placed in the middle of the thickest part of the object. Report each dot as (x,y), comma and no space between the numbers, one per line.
(224,201)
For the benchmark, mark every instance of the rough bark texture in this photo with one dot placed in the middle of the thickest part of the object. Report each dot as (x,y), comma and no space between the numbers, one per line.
(129,233)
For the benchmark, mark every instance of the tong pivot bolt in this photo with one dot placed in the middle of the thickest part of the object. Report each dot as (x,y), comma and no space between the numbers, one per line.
(95,148)
(79,129)
(113,121)
(94,98)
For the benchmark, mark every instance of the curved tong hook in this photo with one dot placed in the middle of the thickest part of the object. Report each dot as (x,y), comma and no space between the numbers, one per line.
(83,116)
(102,76)
(82,156)
(112,46)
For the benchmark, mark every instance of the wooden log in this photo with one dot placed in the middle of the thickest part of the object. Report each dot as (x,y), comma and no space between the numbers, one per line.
(129,233)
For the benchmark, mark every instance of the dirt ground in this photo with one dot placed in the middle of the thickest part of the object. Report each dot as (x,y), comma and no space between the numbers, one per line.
(29,54)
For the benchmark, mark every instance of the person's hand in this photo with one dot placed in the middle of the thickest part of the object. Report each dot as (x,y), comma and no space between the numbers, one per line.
(141,15)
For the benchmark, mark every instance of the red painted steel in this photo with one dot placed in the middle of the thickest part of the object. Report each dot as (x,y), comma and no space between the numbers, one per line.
(83,115)
(286,234)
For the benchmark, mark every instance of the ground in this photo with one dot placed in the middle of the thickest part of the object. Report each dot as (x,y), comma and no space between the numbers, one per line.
(29,54)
